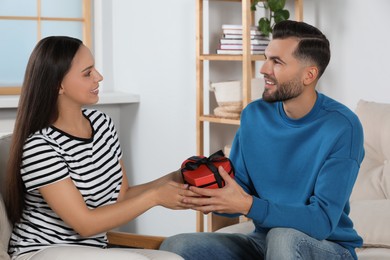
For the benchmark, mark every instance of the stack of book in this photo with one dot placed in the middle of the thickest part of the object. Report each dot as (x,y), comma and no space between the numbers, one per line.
(231,41)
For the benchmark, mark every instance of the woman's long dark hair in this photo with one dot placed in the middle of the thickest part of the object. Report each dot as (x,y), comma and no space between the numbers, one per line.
(49,62)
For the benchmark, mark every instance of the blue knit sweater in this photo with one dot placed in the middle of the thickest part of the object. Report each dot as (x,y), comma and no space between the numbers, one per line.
(300,172)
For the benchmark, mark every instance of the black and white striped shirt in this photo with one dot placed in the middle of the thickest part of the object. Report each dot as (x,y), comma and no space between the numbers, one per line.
(51,155)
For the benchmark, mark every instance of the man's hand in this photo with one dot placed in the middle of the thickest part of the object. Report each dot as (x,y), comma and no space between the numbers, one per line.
(229,199)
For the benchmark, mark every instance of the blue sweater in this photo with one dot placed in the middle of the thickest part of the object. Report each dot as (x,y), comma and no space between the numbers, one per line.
(300,172)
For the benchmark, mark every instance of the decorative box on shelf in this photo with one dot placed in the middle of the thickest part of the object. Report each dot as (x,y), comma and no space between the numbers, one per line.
(229,96)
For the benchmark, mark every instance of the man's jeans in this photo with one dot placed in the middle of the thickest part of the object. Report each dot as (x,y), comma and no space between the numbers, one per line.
(277,244)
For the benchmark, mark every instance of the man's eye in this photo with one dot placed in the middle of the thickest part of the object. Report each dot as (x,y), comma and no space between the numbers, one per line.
(88,73)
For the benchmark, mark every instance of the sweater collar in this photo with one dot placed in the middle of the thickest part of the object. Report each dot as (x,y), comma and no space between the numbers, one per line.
(303,120)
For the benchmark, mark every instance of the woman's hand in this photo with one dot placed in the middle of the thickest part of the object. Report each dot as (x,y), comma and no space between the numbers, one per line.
(170,191)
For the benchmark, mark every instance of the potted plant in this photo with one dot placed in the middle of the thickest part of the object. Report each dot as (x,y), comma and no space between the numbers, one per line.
(276,13)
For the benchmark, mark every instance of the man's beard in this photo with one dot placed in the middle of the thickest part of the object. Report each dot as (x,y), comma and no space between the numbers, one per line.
(284,91)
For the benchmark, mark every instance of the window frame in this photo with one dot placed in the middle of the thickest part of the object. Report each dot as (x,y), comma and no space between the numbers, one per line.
(87,32)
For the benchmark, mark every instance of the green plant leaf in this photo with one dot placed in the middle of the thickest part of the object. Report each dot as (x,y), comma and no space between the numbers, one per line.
(281,15)
(254,4)
(265,26)
(276,5)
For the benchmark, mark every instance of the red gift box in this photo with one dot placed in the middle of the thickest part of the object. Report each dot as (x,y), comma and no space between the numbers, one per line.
(201,171)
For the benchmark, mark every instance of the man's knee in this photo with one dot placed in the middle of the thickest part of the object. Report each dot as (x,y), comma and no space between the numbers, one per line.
(176,243)
(184,244)
(212,246)
(284,239)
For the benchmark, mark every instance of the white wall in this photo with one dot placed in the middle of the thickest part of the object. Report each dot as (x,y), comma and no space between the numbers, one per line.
(154,56)
(360,41)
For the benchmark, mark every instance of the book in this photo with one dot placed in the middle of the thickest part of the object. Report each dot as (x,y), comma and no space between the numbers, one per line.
(239,31)
(236,27)
(239,36)
(239,47)
(238,52)
(231,41)
(239,41)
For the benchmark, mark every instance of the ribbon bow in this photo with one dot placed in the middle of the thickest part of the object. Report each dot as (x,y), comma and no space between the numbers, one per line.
(196,161)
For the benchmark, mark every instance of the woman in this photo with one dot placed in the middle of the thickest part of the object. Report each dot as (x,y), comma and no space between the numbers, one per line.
(66,182)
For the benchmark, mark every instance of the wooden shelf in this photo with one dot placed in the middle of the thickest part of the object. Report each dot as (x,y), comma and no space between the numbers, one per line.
(248,65)
(226,0)
(219,120)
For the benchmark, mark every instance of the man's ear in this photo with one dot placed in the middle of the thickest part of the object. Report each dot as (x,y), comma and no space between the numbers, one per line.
(310,75)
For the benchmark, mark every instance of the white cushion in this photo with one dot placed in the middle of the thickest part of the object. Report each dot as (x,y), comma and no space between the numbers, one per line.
(373,253)
(371,220)
(374,176)
(370,205)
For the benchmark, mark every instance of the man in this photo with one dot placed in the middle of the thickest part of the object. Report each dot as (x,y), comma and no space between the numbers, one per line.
(296,155)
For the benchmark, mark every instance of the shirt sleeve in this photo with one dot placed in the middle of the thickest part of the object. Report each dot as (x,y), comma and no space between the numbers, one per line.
(116,144)
(42,163)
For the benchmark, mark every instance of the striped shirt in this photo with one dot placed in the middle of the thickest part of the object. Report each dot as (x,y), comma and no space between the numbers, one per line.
(51,155)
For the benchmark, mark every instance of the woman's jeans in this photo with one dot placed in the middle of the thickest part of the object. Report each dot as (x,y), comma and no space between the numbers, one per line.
(277,244)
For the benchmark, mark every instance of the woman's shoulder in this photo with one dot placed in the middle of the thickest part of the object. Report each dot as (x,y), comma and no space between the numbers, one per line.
(96,115)
(99,120)
(93,113)
(41,139)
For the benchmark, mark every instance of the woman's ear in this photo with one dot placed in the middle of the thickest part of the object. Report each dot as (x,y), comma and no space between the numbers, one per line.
(61,91)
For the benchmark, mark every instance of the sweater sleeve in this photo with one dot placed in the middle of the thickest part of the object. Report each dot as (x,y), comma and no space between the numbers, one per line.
(321,215)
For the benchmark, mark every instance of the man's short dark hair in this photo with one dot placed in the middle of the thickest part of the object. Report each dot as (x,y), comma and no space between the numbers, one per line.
(313,44)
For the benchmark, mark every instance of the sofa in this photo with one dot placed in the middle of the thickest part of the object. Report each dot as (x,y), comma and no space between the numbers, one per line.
(115,238)
(370,199)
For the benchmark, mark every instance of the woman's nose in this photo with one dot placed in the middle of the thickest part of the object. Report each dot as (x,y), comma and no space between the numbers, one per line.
(97,76)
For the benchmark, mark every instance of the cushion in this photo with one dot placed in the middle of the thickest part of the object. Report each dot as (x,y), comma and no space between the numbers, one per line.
(371,219)
(373,253)
(373,181)
(370,205)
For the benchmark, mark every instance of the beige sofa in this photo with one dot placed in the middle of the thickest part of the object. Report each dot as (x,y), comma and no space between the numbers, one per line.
(370,200)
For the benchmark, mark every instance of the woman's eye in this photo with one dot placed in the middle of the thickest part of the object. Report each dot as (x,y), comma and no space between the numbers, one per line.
(88,73)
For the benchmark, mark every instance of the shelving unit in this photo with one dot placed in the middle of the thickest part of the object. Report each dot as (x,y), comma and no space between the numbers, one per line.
(248,70)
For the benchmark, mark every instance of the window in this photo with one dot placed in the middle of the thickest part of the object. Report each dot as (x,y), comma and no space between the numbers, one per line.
(24,22)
